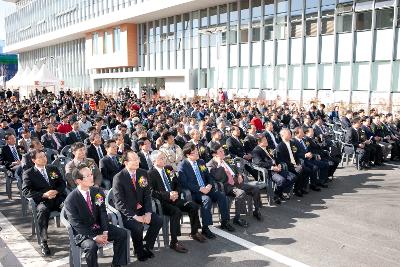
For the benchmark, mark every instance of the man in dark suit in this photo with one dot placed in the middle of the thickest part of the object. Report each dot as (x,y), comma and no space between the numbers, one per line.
(194,176)
(233,184)
(76,135)
(319,152)
(10,154)
(132,197)
(294,122)
(26,161)
(79,151)
(166,189)
(38,132)
(181,138)
(201,148)
(96,150)
(285,154)
(46,186)
(263,158)
(123,129)
(345,120)
(236,148)
(110,165)
(86,212)
(250,141)
(270,134)
(353,137)
(52,139)
(317,165)
(144,154)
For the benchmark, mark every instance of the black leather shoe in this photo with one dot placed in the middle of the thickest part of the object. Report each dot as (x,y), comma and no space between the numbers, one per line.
(304,192)
(241,222)
(315,188)
(227,226)
(207,233)
(45,249)
(298,193)
(148,253)
(282,197)
(323,185)
(257,215)
(277,201)
(115,265)
(142,258)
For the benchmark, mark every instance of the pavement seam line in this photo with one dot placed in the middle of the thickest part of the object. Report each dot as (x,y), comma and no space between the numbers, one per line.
(18,245)
(258,249)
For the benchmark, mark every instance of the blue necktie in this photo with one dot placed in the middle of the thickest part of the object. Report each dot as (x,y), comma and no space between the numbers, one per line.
(166,182)
(198,175)
(301,141)
(15,153)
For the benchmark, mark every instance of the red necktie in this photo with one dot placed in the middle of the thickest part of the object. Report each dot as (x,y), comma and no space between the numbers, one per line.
(89,202)
(133,178)
(229,174)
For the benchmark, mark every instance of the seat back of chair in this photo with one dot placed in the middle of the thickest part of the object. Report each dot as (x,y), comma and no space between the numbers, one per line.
(60,163)
(66,151)
(109,205)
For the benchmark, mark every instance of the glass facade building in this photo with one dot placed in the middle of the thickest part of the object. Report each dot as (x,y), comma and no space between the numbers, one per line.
(336,50)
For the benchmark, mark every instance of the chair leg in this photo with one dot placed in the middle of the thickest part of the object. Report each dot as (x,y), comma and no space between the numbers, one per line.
(57,221)
(128,246)
(8,186)
(165,230)
(76,256)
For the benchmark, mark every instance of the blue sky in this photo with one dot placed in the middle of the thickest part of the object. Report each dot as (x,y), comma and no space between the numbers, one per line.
(5,9)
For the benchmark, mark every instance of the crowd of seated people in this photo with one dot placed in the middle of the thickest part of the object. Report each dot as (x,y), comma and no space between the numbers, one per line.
(186,154)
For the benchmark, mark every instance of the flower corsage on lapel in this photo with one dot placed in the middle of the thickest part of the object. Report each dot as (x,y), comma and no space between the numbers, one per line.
(203,168)
(143,181)
(202,150)
(53,175)
(170,173)
(99,199)
(307,143)
(294,149)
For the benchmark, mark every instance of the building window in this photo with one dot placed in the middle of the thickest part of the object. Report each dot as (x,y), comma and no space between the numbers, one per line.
(363,21)
(384,18)
(311,27)
(268,30)
(255,35)
(232,37)
(106,38)
(223,15)
(244,13)
(343,22)
(281,26)
(282,6)
(383,3)
(269,7)
(95,43)
(296,27)
(327,22)
(117,39)
(244,36)
(203,18)
(233,13)
(213,16)
(256,10)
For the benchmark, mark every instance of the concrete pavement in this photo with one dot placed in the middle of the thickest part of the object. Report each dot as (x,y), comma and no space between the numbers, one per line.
(354,222)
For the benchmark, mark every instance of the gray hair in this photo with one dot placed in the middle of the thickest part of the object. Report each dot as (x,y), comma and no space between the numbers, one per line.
(284,130)
(155,154)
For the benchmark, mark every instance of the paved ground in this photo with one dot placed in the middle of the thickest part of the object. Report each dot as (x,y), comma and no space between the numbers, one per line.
(355,222)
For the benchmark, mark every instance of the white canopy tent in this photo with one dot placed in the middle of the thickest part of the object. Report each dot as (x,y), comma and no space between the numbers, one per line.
(18,78)
(30,79)
(44,77)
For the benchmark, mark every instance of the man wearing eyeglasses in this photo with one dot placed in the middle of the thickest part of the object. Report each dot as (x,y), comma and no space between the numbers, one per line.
(194,176)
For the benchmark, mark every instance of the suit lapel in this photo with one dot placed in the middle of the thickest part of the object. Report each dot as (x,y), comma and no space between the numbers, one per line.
(85,208)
